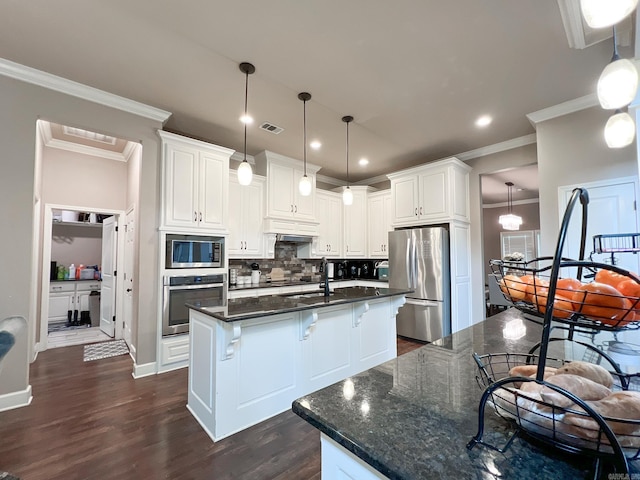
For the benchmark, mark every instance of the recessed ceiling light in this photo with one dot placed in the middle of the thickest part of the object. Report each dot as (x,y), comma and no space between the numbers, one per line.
(363,162)
(246,119)
(315,144)
(483,121)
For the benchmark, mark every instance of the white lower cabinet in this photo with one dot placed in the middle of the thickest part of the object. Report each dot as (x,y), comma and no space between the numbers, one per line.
(338,462)
(241,373)
(70,296)
(174,352)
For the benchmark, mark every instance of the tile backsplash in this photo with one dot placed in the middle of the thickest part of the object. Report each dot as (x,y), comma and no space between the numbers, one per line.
(285,258)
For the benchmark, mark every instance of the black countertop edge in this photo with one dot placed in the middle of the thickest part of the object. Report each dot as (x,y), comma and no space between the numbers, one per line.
(333,432)
(267,305)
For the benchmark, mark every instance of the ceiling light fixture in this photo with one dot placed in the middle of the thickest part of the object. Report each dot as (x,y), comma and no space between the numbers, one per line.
(304,186)
(618,82)
(245,172)
(347,194)
(363,162)
(510,221)
(605,13)
(483,121)
(620,130)
(315,145)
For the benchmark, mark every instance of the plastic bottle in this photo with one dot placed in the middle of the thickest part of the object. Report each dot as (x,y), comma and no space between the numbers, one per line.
(72,271)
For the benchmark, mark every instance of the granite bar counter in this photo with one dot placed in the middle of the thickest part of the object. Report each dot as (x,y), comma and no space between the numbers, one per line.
(250,360)
(412,417)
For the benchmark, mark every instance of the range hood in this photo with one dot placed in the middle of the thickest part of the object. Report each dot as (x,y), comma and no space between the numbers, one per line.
(287,237)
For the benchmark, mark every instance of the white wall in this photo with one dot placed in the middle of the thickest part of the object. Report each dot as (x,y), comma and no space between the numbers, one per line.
(572,150)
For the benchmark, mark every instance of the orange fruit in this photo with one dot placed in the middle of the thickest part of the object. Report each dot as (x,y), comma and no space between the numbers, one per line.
(562,306)
(609,277)
(566,286)
(513,287)
(602,302)
(631,289)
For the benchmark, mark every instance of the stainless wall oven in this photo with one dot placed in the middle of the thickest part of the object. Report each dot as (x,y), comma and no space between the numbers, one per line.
(181,289)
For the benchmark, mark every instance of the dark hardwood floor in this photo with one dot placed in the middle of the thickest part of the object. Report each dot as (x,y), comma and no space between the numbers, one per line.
(92,420)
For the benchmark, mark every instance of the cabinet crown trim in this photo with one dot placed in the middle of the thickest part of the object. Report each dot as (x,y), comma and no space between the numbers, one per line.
(271,156)
(173,137)
(431,165)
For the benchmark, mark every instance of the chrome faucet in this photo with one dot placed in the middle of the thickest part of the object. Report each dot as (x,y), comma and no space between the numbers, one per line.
(325,275)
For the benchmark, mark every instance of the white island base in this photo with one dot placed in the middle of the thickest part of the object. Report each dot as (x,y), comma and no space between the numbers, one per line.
(246,371)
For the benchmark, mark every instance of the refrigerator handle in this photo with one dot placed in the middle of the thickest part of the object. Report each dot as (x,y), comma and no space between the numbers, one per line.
(414,266)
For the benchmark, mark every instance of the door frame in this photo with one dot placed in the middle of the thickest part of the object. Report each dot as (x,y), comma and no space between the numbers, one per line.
(47,230)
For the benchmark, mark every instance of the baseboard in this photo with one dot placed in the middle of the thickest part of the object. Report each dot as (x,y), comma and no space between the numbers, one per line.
(143,370)
(12,400)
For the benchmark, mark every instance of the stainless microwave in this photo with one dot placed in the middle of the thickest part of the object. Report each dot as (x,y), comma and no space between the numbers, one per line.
(194,251)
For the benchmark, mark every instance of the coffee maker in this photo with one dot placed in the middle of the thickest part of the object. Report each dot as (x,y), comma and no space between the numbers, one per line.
(366,269)
(339,270)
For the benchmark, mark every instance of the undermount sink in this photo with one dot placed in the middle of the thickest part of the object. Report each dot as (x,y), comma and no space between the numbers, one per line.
(305,295)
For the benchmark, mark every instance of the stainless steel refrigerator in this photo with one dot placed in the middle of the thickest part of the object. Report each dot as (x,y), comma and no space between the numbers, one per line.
(419,260)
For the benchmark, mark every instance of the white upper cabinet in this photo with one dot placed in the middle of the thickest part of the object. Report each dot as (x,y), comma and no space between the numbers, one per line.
(246,216)
(329,210)
(432,193)
(195,184)
(355,224)
(287,211)
(380,211)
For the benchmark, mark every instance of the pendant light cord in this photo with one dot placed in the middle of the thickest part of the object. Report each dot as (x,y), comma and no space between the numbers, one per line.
(347,154)
(304,134)
(615,46)
(246,100)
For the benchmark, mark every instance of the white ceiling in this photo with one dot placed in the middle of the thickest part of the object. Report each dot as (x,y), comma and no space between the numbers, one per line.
(415,74)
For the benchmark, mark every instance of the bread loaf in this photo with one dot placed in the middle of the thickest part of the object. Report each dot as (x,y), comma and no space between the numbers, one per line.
(581,387)
(587,370)
(619,405)
(529,371)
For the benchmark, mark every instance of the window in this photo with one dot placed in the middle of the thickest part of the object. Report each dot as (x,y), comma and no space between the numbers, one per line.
(526,242)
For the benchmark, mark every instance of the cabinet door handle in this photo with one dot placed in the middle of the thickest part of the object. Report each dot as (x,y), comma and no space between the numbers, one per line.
(416,213)
(200,216)
(129,290)
(420,210)
(296,209)
(245,244)
(195,216)
(292,208)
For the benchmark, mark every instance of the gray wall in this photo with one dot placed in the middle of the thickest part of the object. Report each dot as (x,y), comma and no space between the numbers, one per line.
(21,105)
(530,213)
(572,150)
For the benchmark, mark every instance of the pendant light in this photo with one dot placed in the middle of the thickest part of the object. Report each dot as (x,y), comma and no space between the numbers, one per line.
(618,83)
(620,130)
(245,172)
(510,221)
(605,13)
(305,183)
(347,194)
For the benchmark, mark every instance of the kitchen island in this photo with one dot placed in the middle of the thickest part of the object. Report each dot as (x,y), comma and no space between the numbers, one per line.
(251,360)
(412,417)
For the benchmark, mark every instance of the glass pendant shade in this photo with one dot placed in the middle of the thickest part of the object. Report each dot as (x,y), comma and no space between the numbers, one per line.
(618,84)
(347,196)
(605,13)
(620,130)
(510,221)
(305,186)
(245,173)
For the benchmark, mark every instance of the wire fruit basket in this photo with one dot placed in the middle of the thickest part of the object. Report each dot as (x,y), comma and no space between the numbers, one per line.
(539,407)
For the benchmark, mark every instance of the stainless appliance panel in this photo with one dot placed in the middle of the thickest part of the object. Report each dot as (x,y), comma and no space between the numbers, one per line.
(400,268)
(419,260)
(179,290)
(194,251)
(423,320)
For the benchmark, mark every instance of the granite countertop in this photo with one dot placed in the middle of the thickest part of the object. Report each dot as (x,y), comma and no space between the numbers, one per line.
(412,417)
(246,308)
(293,282)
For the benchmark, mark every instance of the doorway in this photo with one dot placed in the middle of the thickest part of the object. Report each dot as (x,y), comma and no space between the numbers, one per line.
(97,175)
(69,315)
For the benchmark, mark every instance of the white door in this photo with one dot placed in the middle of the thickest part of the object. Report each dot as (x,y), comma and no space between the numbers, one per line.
(108,286)
(611,209)
(128,277)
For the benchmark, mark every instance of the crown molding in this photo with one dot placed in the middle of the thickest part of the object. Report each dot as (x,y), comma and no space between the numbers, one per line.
(335,181)
(75,89)
(498,147)
(239,157)
(566,108)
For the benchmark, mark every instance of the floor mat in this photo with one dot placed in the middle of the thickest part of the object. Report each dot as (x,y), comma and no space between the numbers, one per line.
(62,327)
(112,348)
(6,476)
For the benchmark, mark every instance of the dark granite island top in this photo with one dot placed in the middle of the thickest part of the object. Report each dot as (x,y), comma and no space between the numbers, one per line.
(412,417)
(255,307)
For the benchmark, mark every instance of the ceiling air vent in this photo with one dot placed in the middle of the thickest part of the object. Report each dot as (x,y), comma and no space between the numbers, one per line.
(269,127)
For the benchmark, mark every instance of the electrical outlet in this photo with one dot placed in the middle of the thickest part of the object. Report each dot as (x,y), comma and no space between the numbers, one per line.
(313,269)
